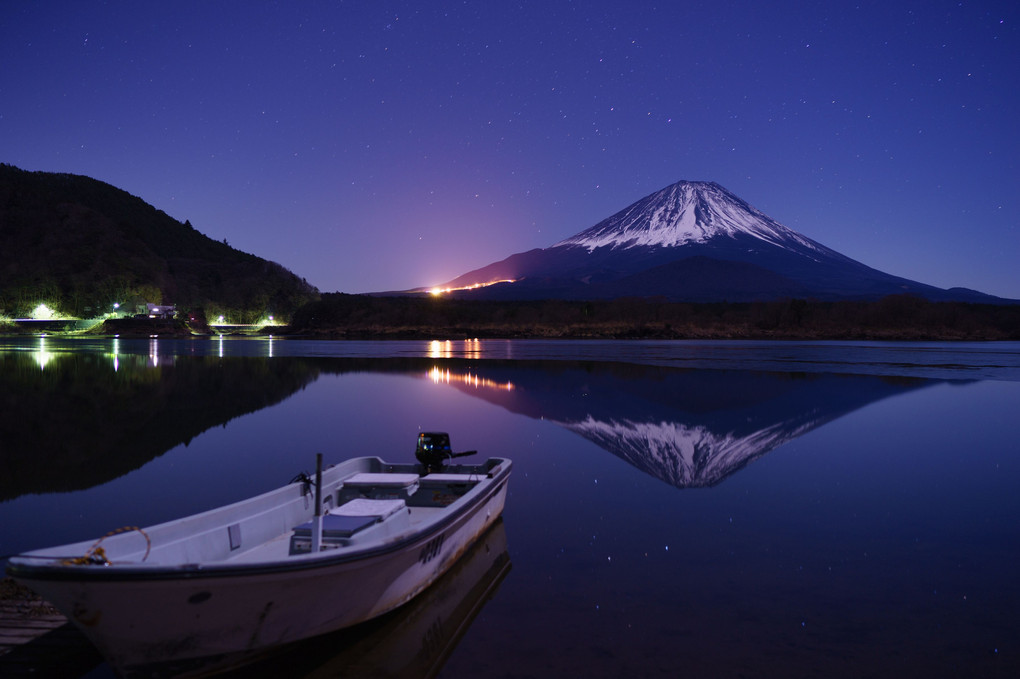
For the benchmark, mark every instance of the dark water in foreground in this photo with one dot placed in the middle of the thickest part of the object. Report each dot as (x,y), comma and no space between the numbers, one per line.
(699,509)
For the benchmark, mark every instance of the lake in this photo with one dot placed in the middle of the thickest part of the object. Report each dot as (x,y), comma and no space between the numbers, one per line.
(724,509)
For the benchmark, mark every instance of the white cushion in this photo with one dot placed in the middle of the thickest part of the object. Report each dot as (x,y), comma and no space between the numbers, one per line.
(366,507)
(452,478)
(382,480)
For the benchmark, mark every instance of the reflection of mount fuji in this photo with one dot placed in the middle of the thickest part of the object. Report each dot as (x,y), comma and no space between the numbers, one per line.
(690,428)
(76,420)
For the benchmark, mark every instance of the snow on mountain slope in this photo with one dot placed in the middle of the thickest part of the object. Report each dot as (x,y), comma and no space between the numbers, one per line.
(687,212)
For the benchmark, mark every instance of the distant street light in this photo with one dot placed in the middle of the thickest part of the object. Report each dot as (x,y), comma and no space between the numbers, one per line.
(42,312)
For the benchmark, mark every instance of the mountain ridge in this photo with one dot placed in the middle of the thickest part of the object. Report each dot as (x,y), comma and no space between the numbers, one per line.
(686,220)
(80,244)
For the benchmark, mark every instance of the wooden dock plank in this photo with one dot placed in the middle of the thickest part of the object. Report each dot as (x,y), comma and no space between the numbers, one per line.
(36,640)
(24,615)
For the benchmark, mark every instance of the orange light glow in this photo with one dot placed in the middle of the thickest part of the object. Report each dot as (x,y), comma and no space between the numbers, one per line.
(442,291)
(439,349)
(440,376)
(469,348)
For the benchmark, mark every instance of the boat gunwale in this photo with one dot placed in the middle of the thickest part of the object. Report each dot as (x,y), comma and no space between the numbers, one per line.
(28,567)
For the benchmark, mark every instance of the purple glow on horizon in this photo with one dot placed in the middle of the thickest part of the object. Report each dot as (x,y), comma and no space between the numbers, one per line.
(384,146)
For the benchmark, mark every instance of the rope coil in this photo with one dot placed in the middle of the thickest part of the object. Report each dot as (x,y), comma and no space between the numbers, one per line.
(96,555)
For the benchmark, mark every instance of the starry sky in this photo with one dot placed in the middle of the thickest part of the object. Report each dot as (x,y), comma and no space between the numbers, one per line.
(375,145)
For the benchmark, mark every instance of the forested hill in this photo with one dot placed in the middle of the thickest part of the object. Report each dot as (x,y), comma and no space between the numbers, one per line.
(79,245)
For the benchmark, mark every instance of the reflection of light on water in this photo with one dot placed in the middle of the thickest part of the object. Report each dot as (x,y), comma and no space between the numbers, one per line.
(269,349)
(116,354)
(42,357)
(471,348)
(441,376)
(439,349)
(154,352)
(221,346)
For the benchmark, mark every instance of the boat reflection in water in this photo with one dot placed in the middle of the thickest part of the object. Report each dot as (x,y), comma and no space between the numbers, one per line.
(411,642)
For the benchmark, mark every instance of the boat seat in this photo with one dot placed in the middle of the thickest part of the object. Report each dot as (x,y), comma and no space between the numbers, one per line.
(336,526)
(452,478)
(443,489)
(345,520)
(361,506)
(387,480)
(382,485)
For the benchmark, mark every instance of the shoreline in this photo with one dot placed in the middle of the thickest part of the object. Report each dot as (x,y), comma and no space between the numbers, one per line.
(566,334)
(355,317)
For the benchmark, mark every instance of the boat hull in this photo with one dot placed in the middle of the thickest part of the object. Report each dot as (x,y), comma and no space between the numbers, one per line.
(142,619)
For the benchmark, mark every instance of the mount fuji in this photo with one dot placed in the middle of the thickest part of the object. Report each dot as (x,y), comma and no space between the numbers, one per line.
(695,242)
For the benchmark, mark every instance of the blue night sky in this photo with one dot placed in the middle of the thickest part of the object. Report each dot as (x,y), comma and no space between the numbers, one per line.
(373,145)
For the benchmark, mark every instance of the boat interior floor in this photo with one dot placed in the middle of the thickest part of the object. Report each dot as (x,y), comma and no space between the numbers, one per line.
(280,547)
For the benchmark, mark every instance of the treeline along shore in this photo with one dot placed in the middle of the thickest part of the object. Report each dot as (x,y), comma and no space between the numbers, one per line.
(347,316)
(897,317)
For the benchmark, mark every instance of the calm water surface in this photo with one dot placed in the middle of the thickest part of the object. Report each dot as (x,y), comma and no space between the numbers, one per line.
(677,508)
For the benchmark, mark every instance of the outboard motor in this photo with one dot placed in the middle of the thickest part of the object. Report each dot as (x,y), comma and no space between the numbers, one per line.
(433,450)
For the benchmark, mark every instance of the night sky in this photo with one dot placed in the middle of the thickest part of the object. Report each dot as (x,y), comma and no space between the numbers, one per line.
(377,145)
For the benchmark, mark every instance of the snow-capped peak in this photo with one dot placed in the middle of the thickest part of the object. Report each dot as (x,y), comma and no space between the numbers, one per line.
(685,212)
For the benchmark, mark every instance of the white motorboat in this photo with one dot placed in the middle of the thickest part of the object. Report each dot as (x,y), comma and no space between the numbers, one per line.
(314,556)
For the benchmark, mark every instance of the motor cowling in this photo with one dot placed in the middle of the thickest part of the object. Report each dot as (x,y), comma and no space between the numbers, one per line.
(433,450)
